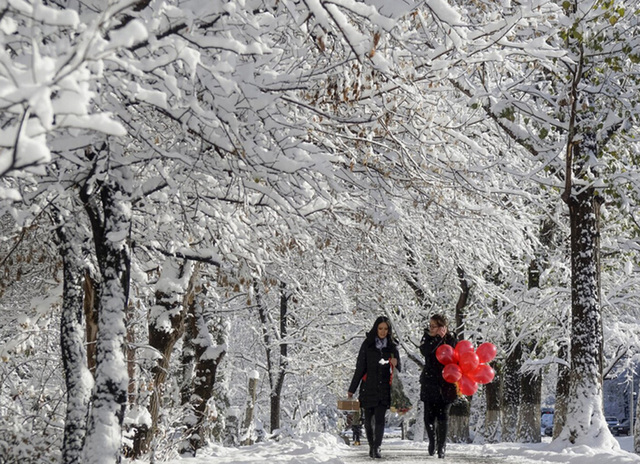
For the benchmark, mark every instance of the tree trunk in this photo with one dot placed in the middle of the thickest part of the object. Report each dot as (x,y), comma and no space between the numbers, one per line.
(510,401)
(276,393)
(111,222)
(461,409)
(246,430)
(562,392)
(73,348)
(635,431)
(188,358)
(459,421)
(170,293)
(585,410)
(132,389)
(529,412)
(90,305)
(492,429)
(208,353)
(276,367)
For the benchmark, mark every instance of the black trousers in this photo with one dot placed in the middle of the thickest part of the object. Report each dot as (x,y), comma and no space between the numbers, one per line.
(436,422)
(374,424)
(357,431)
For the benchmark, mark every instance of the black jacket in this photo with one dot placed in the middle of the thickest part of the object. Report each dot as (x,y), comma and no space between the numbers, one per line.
(431,380)
(375,386)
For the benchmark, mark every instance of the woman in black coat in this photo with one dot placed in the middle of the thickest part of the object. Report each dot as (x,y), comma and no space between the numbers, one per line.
(436,393)
(378,358)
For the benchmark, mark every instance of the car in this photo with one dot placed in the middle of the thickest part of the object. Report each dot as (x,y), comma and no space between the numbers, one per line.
(611,421)
(620,429)
(546,423)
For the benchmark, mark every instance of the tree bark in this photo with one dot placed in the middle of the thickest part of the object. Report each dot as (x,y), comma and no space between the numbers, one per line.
(276,393)
(170,293)
(90,304)
(562,392)
(585,401)
(77,375)
(461,409)
(459,421)
(208,353)
(492,429)
(276,366)
(110,221)
(510,401)
(635,431)
(248,417)
(529,414)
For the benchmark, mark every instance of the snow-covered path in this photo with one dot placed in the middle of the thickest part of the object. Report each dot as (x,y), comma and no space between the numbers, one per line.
(408,452)
(324,448)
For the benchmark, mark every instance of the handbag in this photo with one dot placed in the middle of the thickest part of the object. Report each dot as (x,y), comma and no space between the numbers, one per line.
(349,404)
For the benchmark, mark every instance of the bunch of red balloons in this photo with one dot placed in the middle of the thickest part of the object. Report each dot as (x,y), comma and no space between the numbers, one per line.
(466,366)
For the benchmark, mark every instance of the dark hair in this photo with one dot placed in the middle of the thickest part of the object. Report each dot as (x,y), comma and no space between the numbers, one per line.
(374,330)
(440,319)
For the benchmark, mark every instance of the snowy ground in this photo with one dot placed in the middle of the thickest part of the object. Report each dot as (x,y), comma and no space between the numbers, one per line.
(317,448)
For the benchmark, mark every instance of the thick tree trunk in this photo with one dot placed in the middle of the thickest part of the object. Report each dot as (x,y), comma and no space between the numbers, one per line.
(459,421)
(492,423)
(585,411)
(460,410)
(77,375)
(205,378)
(111,222)
(529,413)
(510,402)
(246,430)
(188,358)
(208,352)
(166,327)
(562,392)
(90,305)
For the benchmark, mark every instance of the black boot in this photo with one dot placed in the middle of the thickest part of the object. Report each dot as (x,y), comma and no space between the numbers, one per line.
(369,433)
(378,434)
(432,439)
(441,437)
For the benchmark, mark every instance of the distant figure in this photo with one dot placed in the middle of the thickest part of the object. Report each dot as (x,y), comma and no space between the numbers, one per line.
(377,359)
(436,393)
(356,427)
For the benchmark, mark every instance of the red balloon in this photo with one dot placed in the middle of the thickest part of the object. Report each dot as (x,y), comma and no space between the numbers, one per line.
(452,373)
(482,374)
(463,346)
(467,386)
(444,354)
(468,362)
(486,352)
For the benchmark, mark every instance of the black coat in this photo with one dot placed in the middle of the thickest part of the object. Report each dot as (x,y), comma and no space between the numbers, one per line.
(431,381)
(375,386)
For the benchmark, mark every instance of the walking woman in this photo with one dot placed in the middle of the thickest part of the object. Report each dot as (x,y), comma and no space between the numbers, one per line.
(436,393)
(377,361)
